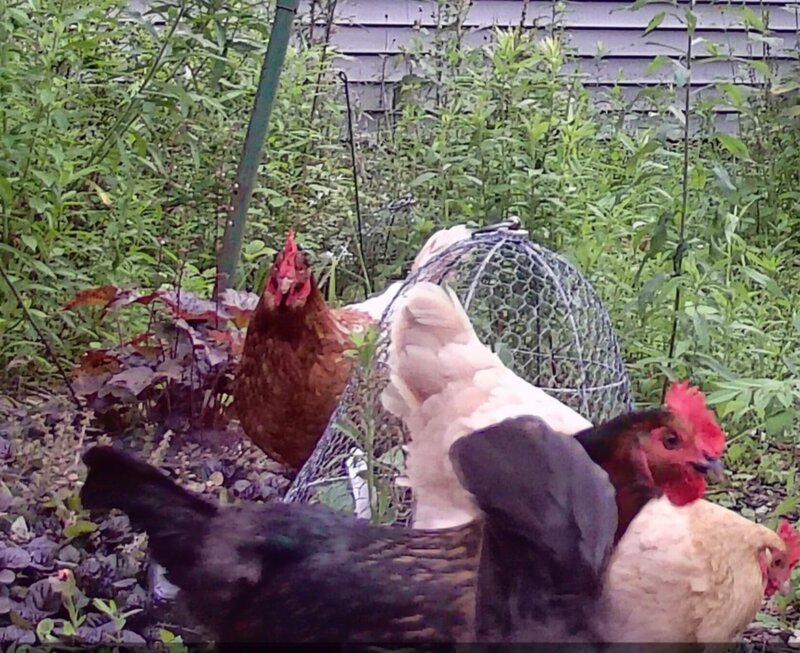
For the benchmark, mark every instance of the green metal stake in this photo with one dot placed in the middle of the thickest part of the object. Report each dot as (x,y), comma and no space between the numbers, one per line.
(231,248)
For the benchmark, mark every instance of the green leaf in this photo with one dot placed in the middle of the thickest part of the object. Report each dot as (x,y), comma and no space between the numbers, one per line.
(678,113)
(751,19)
(44,630)
(779,423)
(760,66)
(786,506)
(80,527)
(765,281)
(656,64)
(46,97)
(424,178)
(691,21)
(734,145)
(6,193)
(721,396)
(786,87)
(682,75)
(655,21)
(30,242)
(638,4)
(723,179)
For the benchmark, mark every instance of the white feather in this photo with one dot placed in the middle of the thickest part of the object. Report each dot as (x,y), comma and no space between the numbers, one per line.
(438,242)
(375,306)
(444,384)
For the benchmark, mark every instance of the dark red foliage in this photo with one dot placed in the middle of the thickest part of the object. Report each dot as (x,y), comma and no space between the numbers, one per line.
(178,373)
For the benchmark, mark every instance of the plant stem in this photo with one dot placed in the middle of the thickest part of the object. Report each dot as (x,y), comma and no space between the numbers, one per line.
(42,337)
(679,250)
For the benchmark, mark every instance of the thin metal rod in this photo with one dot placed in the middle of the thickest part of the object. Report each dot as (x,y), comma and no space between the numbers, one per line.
(352,142)
(42,337)
(231,249)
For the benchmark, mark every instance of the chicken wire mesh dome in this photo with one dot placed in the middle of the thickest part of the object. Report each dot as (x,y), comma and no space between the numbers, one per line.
(530,306)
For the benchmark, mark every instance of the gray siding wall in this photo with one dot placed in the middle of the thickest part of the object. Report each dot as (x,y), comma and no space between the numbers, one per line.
(606,38)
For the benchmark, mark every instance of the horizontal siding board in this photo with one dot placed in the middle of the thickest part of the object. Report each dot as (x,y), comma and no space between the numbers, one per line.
(597,15)
(623,70)
(357,40)
(634,71)
(380,97)
(728,123)
(375,36)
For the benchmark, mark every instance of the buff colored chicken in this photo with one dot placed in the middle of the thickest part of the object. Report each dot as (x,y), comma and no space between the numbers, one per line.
(698,573)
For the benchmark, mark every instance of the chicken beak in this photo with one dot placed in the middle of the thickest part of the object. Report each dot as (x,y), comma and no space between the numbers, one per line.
(785,588)
(716,471)
(712,469)
(285,285)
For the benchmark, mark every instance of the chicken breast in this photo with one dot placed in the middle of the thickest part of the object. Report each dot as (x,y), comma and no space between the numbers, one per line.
(685,574)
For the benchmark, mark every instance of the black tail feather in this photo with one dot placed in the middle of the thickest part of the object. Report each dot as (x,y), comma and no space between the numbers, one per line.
(173,517)
(549,532)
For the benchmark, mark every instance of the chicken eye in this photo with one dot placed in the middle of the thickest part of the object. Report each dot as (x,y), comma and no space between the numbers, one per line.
(671,441)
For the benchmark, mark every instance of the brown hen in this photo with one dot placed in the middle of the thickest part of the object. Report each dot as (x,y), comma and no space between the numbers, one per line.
(293,366)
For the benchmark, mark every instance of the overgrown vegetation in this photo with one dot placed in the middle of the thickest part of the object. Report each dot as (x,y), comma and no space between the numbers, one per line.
(120,139)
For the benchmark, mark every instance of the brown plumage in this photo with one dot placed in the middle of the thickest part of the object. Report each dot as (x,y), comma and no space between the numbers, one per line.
(294,364)
(293,367)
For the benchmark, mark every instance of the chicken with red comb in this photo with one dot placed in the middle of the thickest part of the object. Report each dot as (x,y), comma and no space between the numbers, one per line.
(778,571)
(696,573)
(693,423)
(294,364)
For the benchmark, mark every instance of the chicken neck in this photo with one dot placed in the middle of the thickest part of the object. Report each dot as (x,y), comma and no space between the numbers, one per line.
(290,323)
(614,445)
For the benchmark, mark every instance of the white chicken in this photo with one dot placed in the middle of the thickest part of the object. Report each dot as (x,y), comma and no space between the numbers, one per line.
(697,573)
(444,383)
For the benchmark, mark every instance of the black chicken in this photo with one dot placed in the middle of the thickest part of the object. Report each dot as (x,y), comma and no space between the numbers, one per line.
(304,573)
(548,532)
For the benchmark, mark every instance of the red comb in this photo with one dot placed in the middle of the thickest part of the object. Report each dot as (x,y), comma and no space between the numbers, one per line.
(792,540)
(290,245)
(690,404)
(289,260)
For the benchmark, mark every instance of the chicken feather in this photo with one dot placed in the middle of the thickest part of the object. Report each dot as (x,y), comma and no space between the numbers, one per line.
(548,534)
(688,574)
(681,573)
(294,366)
(444,383)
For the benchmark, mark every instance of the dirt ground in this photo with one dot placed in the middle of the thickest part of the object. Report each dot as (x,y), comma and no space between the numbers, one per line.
(55,562)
